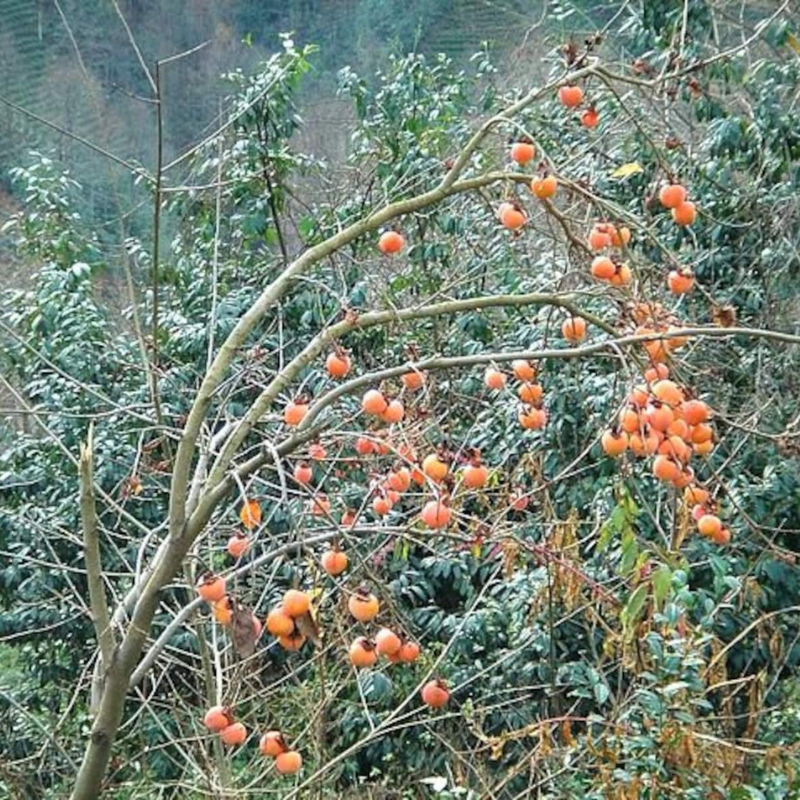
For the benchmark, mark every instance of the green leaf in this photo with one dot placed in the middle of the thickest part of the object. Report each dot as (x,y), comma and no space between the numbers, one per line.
(635,605)
(662,579)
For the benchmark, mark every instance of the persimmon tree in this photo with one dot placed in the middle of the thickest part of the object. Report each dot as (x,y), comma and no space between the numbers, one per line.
(468,462)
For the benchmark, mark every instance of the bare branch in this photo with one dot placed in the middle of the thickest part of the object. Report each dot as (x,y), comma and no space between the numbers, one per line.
(91,549)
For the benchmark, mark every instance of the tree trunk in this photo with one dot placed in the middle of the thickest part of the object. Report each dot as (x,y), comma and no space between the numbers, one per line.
(89,781)
(88,784)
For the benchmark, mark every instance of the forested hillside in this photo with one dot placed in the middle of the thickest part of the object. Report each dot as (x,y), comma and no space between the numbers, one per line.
(72,63)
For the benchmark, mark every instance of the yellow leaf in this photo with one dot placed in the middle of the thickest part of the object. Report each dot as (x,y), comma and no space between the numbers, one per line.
(631,168)
(793,42)
(250,514)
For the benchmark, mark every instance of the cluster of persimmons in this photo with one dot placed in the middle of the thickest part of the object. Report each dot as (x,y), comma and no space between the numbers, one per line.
(660,419)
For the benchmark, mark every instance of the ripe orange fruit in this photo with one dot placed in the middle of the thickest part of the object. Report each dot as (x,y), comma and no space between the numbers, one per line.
(599,237)
(518,500)
(532,418)
(570,96)
(394,412)
(295,413)
(629,420)
(701,433)
(293,642)
(668,392)
(675,447)
(671,195)
(659,416)
(665,469)
(217,718)
(522,152)
(373,402)
(391,242)
(392,496)
(698,511)
(494,379)
(530,392)
(338,364)
(413,380)
(362,653)
(387,642)
(399,479)
(723,536)
(680,281)
(279,623)
(319,505)
(237,545)
(475,475)
(211,587)
(435,694)
(603,268)
(573,329)
(544,188)
(694,412)
(686,477)
(250,514)
(303,472)
(657,372)
(684,214)
(614,443)
(657,349)
(502,208)
(334,562)
(639,396)
(703,448)
(436,514)
(233,734)
(317,452)
(289,763)
(523,370)
(381,505)
(363,605)
(622,275)
(675,342)
(513,217)
(590,118)
(678,427)
(620,237)
(434,467)
(709,525)
(409,652)
(364,446)
(222,611)
(695,495)
(348,518)
(644,443)
(296,602)
(272,744)
(382,447)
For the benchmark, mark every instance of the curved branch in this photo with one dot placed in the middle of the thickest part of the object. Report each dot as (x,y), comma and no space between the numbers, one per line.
(372,319)
(307,431)
(237,337)
(186,612)
(249,320)
(448,362)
